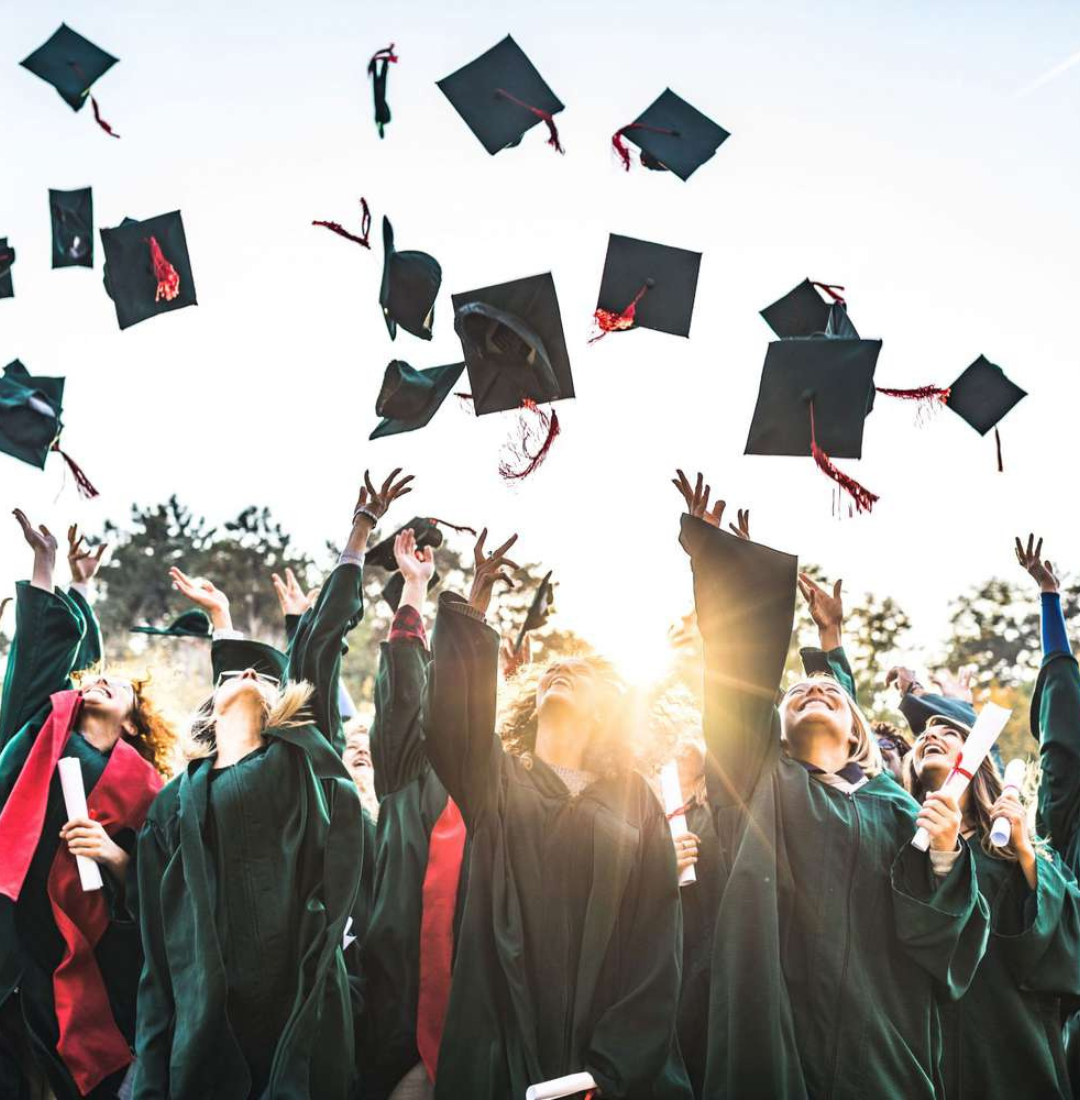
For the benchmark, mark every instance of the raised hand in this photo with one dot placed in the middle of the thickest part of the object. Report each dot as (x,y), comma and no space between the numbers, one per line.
(826,611)
(203,594)
(512,660)
(42,541)
(904,679)
(292,598)
(489,568)
(1031,559)
(697,496)
(417,566)
(956,686)
(372,503)
(83,563)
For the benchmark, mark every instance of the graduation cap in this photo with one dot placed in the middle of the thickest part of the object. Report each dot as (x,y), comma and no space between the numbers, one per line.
(395,588)
(147,268)
(7,260)
(191,624)
(646,285)
(539,610)
(238,654)
(814,396)
(31,408)
(410,285)
(919,709)
(341,231)
(72,64)
(515,353)
(501,97)
(377,68)
(72,214)
(802,311)
(672,136)
(409,398)
(426,531)
(982,395)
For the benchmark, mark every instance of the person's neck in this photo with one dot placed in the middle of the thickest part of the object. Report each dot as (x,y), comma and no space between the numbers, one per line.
(823,751)
(559,742)
(100,732)
(237,732)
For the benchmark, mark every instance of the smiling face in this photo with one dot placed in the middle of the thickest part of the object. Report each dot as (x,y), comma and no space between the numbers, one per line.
(571,684)
(357,756)
(815,707)
(107,697)
(936,752)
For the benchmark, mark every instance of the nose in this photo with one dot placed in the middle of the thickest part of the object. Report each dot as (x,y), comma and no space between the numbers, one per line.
(249,674)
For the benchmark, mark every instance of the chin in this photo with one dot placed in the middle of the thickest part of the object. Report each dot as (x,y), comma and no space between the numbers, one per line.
(233,690)
(934,771)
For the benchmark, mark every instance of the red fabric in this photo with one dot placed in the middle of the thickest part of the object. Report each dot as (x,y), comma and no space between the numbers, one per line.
(549,119)
(620,146)
(830,289)
(863,498)
(408,625)
(341,231)
(617,322)
(100,121)
(85,486)
(520,452)
(168,278)
(446,849)
(90,1044)
(919,393)
(386,55)
(686,807)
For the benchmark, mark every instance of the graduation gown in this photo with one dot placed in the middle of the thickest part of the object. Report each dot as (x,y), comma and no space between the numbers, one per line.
(57,634)
(833,938)
(248,877)
(569,950)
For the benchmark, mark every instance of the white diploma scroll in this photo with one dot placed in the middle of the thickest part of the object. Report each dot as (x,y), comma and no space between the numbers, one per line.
(984,733)
(71,783)
(1001,831)
(673,800)
(560,1086)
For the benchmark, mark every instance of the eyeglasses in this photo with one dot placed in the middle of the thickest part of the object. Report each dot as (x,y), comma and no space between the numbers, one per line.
(236,674)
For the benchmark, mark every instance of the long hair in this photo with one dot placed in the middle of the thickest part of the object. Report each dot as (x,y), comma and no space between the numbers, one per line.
(985,789)
(864,749)
(286,709)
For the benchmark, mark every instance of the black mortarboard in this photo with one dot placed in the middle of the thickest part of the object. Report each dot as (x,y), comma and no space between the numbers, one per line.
(377,68)
(802,311)
(745,597)
(647,285)
(835,375)
(671,135)
(191,624)
(539,610)
(70,63)
(72,214)
(426,531)
(919,709)
(147,268)
(7,260)
(238,654)
(410,285)
(501,97)
(512,338)
(395,587)
(982,395)
(409,398)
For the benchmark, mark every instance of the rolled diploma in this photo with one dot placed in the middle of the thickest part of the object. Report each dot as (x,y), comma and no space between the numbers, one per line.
(673,800)
(560,1086)
(71,783)
(1001,831)
(984,733)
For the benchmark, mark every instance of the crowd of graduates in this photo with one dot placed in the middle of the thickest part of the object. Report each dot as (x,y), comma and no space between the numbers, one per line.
(483,893)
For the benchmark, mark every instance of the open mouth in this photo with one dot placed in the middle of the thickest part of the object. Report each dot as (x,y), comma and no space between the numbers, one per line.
(933,750)
(100,689)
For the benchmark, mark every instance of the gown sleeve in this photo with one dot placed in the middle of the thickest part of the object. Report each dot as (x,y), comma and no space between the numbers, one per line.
(45,651)
(831,662)
(397,749)
(458,717)
(92,648)
(316,648)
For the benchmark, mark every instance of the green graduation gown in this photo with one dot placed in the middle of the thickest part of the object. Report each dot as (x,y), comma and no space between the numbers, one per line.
(56,634)
(569,951)
(247,878)
(834,937)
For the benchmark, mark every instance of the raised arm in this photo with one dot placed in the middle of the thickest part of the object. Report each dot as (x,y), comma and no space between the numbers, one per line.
(458,716)
(828,656)
(293,600)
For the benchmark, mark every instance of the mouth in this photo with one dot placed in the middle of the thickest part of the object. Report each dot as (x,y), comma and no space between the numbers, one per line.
(933,750)
(815,701)
(99,689)
(561,681)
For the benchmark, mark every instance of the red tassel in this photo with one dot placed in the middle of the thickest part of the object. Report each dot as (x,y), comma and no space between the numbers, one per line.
(365,226)
(452,526)
(168,279)
(548,424)
(919,393)
(100,121)
(997,441)
(830,289)
(617,322)
(620,146)
(386,55)
(548,118)
(863,498)
(86,489)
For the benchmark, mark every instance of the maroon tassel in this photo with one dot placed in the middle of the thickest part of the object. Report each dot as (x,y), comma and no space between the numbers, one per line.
(85,487)
(168,278)
(548,118)
(919,393)
(830,289)
(997,441)
(548,424)
(365,226)
(863,498)
(618,322)
(620,146)
(452,526)
(386,55)
(100,121)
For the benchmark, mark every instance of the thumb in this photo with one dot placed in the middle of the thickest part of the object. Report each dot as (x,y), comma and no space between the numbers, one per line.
(837,588)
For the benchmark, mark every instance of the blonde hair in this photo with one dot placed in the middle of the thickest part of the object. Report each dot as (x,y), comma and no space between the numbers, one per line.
(286,709)
(864,749)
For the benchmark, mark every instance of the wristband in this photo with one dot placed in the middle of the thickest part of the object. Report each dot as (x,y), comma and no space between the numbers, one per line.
(367,513)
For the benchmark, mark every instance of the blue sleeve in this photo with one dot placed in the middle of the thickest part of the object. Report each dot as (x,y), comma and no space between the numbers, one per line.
(1055,637)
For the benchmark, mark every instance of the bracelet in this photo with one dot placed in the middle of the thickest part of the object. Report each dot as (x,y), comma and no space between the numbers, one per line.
(367,513)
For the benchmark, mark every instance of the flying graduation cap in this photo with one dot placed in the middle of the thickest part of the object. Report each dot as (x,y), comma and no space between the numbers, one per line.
(672,136)
(501,97)
(982,396)
(377,68)
(31,408)
(147,268)
(802,311)
(7,260)
(539,610)
(72,64)
(191,624)
(646,285)
(381,556)
(72,215)
(409,398)
(410,285)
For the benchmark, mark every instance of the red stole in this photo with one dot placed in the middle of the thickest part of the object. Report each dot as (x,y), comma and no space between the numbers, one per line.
(91,1045)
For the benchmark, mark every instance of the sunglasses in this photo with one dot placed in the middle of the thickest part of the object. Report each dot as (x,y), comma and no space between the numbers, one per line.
(236,674)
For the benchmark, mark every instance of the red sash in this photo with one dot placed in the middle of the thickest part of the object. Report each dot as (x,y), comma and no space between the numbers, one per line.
(90,1045)
(446,850)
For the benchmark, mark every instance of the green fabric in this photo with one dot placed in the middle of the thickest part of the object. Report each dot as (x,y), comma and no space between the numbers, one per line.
(569,952)
(834,939)
(832,662)
(246,882)
(26,433)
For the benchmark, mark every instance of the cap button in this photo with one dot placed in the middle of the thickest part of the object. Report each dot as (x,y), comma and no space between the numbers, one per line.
(807,396)
(650,283)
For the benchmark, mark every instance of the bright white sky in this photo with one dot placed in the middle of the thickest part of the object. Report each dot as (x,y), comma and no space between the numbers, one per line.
(911,152)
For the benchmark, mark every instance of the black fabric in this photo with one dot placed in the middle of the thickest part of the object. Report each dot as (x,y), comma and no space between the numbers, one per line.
(694,141)
(72,214)
(70,63)
(670,274)
(982,395)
